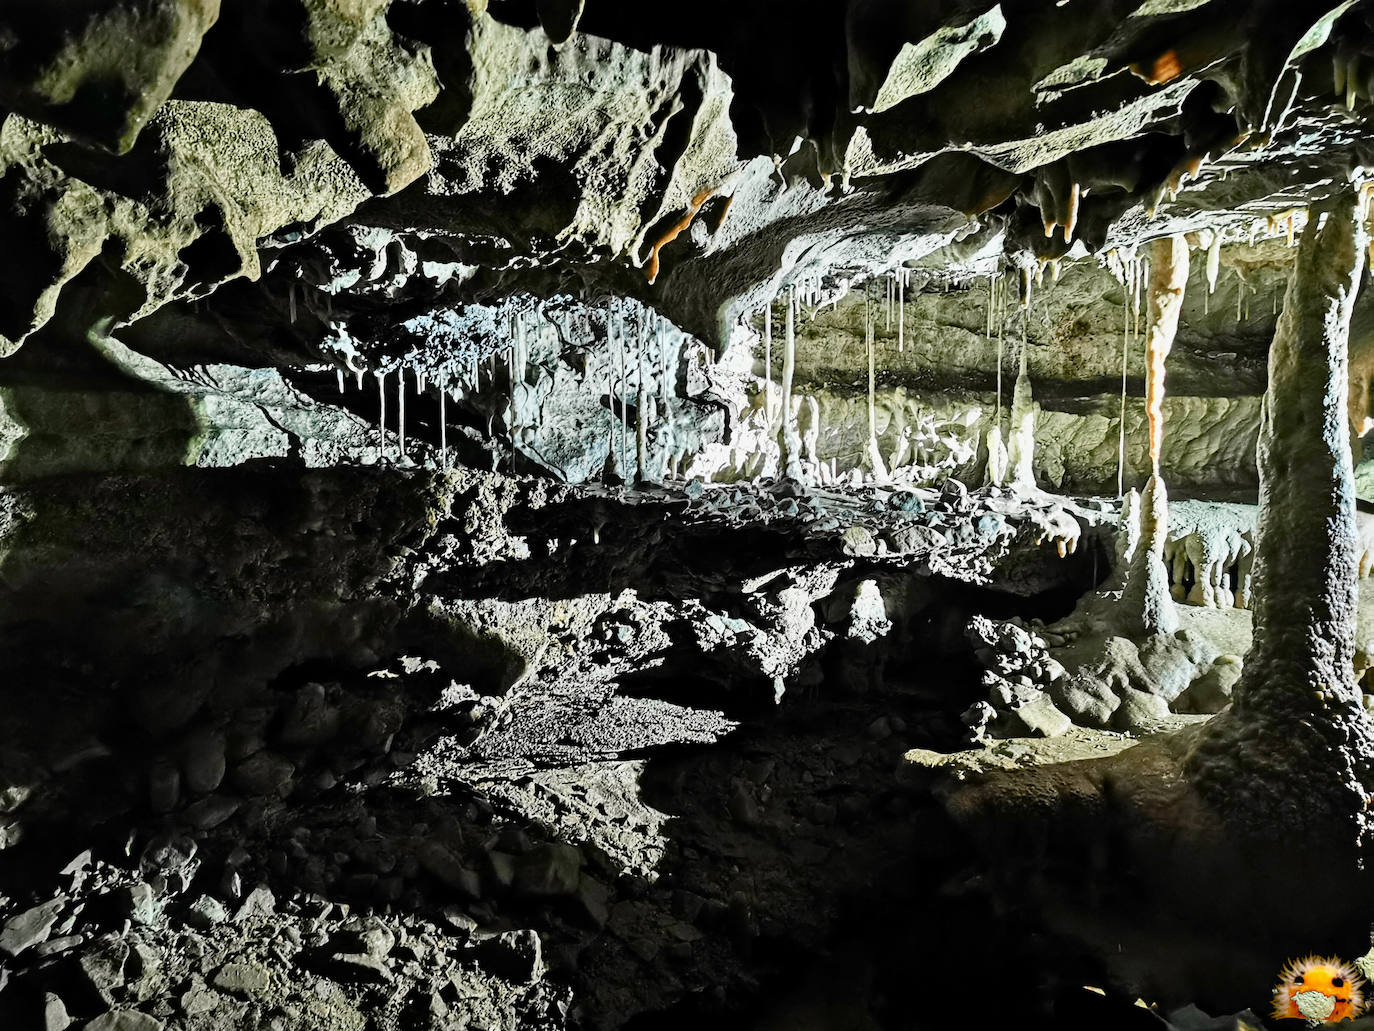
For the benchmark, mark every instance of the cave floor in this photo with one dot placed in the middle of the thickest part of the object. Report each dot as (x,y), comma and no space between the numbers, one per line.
(642,820)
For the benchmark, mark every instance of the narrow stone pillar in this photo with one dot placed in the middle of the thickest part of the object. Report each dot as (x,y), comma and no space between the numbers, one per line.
(1021,440)
(1148,606)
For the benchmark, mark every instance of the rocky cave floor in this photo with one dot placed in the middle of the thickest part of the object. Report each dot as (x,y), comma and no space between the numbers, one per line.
(635,821)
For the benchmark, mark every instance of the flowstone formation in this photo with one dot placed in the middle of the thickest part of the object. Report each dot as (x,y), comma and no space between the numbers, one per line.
(492,490)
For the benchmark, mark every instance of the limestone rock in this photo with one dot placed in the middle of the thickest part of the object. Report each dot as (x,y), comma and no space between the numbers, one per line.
(29,928)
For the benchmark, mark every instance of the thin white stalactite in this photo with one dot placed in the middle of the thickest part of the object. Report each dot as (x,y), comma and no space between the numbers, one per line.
(641,415)
(401,411)
(381,419)
(443,429)
(610,395)
(768,364)
(623,388)
(901,311)
(1121,436)
(1000,316)
(791,459)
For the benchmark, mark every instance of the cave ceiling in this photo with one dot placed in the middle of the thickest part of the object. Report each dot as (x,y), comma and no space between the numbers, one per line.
(320,169)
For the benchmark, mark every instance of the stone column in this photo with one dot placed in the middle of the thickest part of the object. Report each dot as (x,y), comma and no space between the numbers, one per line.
(1293,755)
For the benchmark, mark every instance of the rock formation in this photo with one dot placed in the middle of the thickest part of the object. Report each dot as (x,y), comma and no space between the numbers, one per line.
(491,490)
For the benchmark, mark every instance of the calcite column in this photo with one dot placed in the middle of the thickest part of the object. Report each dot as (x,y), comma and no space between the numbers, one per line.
(1293,754)
(789,439)
(1147,605)
(1021,440)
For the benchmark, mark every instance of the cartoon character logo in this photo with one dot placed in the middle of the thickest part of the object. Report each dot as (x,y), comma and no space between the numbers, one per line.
(1318,989)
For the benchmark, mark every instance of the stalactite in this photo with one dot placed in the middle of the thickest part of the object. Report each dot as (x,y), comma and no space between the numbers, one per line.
(874,458)
(1025,286)
(443,429)
(359,375)
(768,363)
(1213,261)
(1121,424)
(901,311)
(641,412)
(621,377)
(676,229)
(1147,604)
(1169,279)
(381,419)
(997,447)
(512,420)
(791,444)
(339,373)
(998,304)
(401,411)
(1021,441)
(1071,218)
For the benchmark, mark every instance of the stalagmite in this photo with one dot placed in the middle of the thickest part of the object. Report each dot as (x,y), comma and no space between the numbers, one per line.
(1297,703)
(1021,441)
(791,443)
(1147,604)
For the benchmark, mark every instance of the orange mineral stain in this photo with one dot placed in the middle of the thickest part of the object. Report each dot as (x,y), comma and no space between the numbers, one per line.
(1168,278)
(1166,68)
(677,228)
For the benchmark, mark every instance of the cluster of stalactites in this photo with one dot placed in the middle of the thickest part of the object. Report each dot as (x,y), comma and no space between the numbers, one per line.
(797,444)
(640,386)
(643,367)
